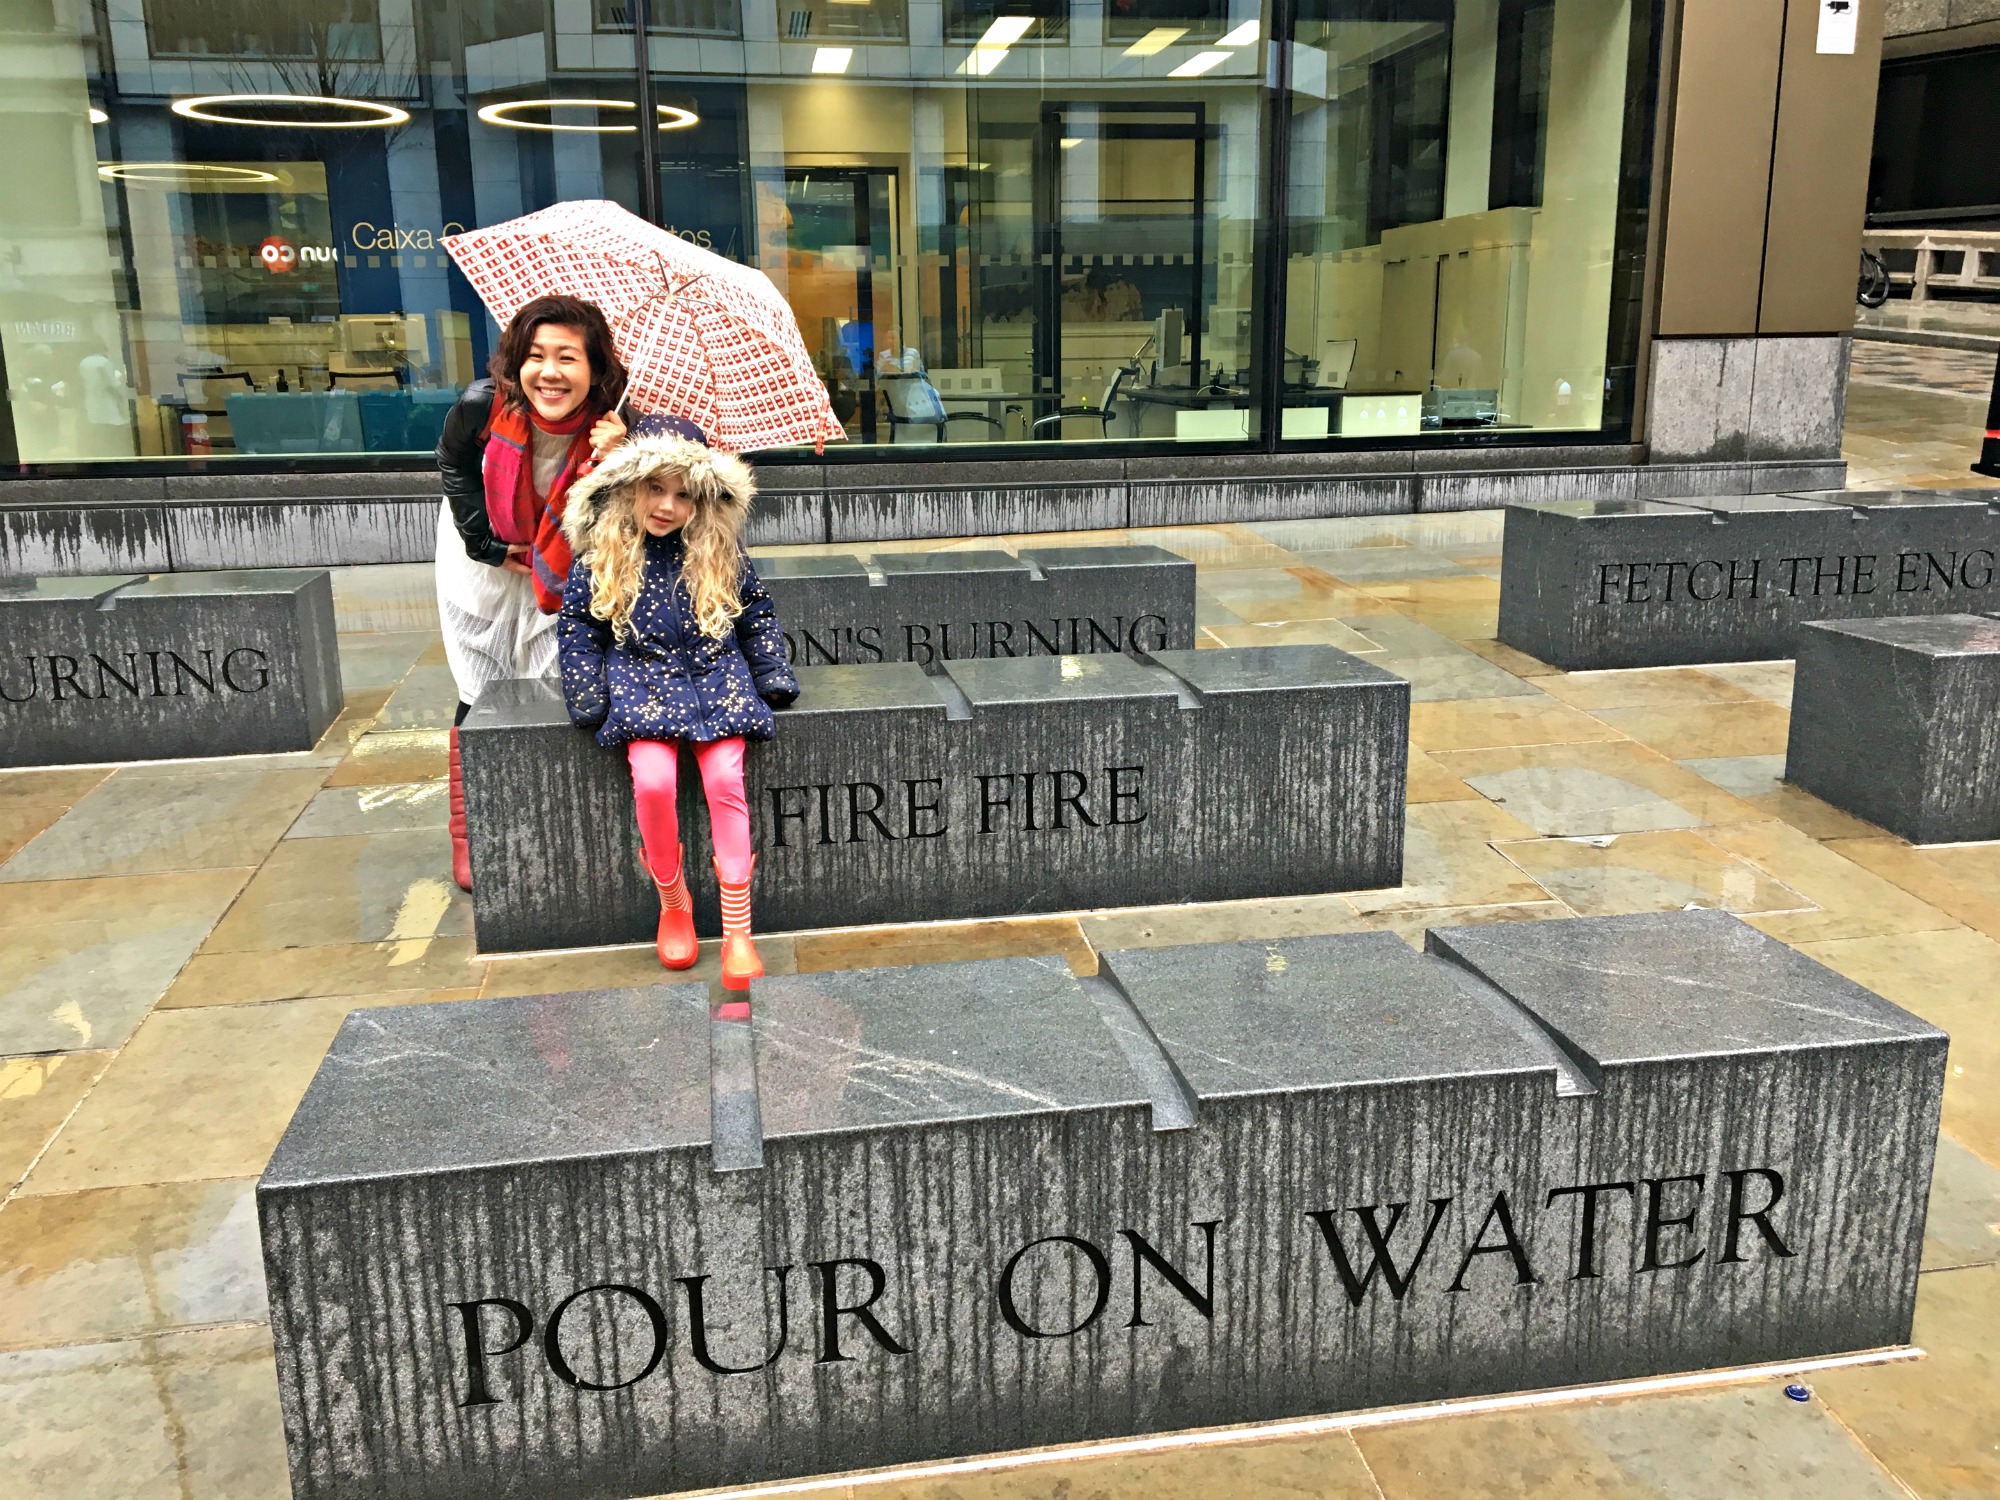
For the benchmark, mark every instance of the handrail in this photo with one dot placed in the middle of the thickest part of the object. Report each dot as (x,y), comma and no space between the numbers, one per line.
(1978,251)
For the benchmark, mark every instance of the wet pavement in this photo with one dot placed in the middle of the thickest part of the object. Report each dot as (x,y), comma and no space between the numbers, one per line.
(179,942)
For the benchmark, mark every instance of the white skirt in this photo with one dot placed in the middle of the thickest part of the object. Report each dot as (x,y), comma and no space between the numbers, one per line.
(492,629)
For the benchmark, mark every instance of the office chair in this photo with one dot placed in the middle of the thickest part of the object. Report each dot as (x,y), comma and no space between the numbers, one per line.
(915,402)
(1103,413)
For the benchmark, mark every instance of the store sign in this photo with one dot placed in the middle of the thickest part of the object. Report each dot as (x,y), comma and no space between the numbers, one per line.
(392,237)
(280,256)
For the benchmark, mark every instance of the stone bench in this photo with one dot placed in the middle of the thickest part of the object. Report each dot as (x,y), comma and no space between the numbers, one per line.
(1648,583)
(926,607)
(183,664)
(602,1245)
(993,787)
(1898,722)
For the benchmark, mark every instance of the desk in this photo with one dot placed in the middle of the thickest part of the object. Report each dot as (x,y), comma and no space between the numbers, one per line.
(1179,411)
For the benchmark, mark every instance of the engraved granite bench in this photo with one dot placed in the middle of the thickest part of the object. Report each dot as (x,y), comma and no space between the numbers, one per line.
(1898,722)
(1046,783)
(183,664)
(1649,583)
(927,607)
(601,1245)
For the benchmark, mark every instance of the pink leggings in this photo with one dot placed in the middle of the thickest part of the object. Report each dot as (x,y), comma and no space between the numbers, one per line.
(655,766)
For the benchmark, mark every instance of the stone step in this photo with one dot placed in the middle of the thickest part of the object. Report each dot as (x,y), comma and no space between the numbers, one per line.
(605,1244)
(1651,583)
(184,664)
(994,787)
(1898,722)
(926,607)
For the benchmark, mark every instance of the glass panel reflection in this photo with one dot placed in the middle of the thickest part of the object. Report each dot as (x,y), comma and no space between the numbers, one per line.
(1454,213)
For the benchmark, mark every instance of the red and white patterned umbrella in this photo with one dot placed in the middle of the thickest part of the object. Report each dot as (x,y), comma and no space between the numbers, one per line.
(701,337)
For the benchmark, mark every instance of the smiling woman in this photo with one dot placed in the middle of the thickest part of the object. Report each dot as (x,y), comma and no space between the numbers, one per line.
(511,449)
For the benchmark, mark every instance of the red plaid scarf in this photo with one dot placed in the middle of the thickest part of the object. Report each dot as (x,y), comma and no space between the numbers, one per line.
(519,514)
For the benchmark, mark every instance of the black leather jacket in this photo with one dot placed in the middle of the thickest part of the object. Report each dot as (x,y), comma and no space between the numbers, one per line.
(461,458)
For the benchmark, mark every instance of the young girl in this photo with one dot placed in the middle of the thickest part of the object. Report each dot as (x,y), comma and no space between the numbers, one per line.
(666,635)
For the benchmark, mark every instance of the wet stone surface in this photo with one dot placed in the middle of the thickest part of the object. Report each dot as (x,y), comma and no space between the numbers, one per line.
(995,787)
(184,664)
(1928,692)
(929,607)
(1587,585)
(974,1207)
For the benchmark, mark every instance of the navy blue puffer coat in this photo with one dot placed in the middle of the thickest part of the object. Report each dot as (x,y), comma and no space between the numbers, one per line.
(668,681)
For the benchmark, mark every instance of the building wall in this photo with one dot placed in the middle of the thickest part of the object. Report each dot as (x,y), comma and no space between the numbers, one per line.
(1767,176)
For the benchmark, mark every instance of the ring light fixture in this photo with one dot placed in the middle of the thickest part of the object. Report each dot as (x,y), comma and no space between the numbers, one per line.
(672,116)
(375,114)
(186,175)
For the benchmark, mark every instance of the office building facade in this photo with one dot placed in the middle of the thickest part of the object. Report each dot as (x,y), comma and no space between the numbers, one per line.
(1132,259)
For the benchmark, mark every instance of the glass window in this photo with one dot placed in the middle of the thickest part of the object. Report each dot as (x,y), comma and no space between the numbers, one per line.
(247,256)
(998,221)
(1455,219)
(1031,222)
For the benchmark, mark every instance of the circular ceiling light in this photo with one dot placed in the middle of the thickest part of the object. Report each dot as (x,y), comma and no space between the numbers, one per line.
(98,116)
(374,115)
(672,116)
(186,175)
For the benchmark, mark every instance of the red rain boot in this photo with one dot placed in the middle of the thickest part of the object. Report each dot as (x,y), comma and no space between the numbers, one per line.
(461,857)
(740,963)
(675,941)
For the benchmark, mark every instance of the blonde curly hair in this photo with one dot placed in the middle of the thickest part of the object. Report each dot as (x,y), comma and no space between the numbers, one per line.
(602,522)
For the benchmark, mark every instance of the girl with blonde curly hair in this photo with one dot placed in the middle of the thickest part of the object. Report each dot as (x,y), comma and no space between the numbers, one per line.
(666,635)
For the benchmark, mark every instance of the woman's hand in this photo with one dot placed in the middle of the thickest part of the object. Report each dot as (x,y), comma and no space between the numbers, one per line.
(607,434)
(516,560)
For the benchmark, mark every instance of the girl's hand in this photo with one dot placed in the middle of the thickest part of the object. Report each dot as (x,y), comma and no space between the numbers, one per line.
(607,434)
(516,561)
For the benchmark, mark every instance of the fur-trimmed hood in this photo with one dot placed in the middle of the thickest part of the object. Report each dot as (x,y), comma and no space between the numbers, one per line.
(712,478)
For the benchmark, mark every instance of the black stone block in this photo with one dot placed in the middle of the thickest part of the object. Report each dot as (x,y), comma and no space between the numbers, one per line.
(184,664)
(927,607)
(1001,785)
(1898,722)
(1588,585)
(601,1245)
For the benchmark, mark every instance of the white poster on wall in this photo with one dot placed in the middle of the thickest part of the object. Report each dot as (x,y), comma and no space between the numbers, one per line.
(1836,25)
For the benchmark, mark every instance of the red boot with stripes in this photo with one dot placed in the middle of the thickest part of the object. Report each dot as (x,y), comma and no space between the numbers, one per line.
(740,963)
(461,856)
(675,942)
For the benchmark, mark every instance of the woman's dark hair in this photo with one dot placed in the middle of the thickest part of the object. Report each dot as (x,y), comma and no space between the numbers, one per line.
(607,375)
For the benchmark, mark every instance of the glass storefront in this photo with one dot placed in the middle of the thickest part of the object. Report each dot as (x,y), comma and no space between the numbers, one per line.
(1227,222)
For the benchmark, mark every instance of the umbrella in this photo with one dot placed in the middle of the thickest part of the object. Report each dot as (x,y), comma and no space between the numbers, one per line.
(701,336)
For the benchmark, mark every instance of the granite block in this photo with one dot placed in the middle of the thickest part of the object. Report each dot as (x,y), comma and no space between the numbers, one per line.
(1756,400)
(1736,578)
(1925,694)
(856,513)
(1486,489)
(999,785)
(183,664)
(1252,497)
(928,607)
(786,514)
(569,1245)
(304,532)
(1698,410)
(1798,397)
(82,540)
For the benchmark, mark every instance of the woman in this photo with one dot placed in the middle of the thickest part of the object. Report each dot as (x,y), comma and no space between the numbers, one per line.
(511,449)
